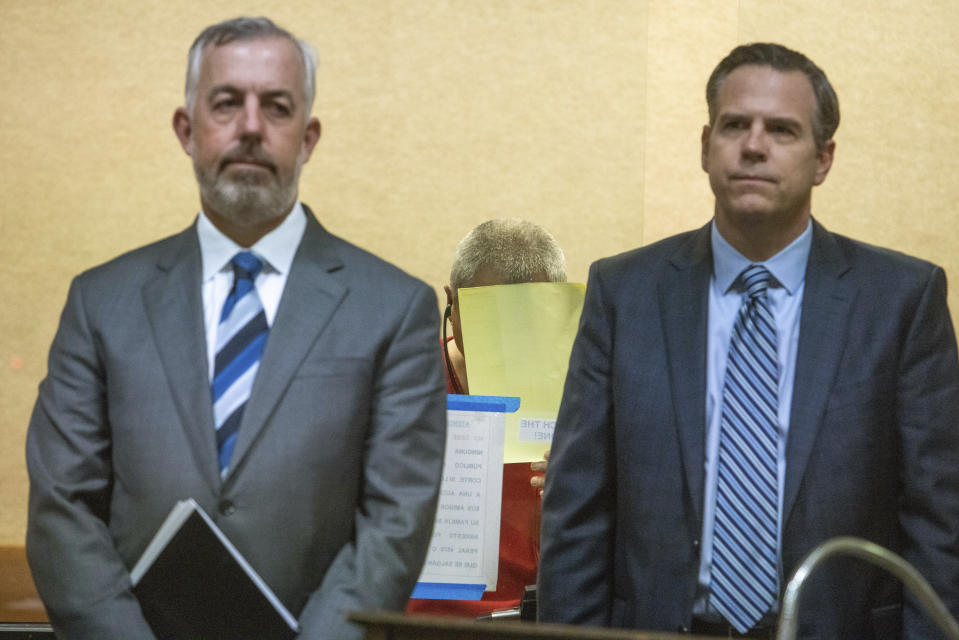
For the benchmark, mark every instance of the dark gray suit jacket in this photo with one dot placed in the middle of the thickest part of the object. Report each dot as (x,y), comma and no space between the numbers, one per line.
(872,450)
(333,482)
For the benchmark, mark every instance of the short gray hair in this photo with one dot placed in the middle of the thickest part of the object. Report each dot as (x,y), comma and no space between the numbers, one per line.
(515,250)
(238,30)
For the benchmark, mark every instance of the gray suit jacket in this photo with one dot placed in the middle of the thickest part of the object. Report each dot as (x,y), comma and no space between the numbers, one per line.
(333,482)
(872,450)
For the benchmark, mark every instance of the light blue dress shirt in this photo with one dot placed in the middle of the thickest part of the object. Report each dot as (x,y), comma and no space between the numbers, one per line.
(788,268)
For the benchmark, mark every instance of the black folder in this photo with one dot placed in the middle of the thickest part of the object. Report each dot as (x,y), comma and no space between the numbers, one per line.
(192,584)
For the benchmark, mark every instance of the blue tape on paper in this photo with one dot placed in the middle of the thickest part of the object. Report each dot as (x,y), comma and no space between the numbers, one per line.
(501,404)
(443,591)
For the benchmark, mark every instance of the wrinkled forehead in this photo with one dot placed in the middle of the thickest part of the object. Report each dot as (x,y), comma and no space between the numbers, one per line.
(765,91)
(274,63)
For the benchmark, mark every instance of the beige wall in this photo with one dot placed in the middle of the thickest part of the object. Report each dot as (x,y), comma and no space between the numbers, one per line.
(582,116)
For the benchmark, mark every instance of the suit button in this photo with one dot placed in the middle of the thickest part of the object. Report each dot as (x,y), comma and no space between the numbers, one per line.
(682,629)
(226,507)
(695,544)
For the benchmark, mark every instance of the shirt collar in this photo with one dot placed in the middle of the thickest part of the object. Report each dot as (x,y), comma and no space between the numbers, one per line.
(788,266)
(276,248)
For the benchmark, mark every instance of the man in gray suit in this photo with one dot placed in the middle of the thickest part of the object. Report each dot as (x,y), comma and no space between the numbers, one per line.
(318,450)
(741,393)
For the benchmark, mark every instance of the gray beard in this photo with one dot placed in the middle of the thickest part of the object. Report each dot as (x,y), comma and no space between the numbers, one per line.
(246,201)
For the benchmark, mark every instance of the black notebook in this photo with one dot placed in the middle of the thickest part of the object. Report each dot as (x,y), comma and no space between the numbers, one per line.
(193,584)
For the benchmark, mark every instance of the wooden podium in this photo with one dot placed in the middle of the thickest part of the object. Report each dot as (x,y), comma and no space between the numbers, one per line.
(381,625)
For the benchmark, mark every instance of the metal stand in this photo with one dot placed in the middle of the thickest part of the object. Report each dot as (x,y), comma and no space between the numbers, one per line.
(877,555)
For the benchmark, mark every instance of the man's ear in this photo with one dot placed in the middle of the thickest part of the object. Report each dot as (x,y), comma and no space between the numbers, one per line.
(825,157)
(183,129)
(705,148)
(454,319)
(310,137)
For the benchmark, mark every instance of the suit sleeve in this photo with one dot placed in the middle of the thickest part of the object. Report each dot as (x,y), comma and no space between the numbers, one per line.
(578,522)
(82,580)
(402,468)
(928,416)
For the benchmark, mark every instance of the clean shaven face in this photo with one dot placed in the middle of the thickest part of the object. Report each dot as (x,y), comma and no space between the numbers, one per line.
(760,152)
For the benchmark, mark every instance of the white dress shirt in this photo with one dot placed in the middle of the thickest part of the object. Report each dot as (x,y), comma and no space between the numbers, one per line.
(276,249)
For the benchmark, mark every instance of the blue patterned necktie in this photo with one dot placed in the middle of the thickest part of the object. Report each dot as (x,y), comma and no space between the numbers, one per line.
(240,339)
(744,577)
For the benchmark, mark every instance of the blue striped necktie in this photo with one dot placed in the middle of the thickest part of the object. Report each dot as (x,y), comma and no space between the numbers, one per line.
(240,339)
(744,576)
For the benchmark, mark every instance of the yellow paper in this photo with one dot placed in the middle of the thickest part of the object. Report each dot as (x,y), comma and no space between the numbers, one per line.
(517,339)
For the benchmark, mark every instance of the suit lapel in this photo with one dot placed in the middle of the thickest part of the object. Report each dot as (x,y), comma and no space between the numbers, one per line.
(827,298)
(310,297)
(174,308)
(684,300)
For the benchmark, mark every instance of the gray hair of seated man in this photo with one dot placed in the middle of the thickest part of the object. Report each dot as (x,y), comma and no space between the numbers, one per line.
(514,250)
